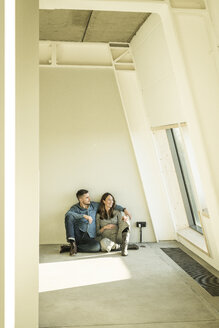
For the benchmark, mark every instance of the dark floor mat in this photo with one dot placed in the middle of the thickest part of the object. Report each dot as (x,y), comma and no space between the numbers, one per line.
(205,278)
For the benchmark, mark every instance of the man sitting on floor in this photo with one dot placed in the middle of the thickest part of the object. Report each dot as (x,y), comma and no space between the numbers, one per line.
(80,224)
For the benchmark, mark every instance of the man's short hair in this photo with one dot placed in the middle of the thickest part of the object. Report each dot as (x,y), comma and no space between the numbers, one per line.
(81,192)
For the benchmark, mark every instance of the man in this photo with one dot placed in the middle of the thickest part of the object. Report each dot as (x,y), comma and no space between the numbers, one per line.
(80,224)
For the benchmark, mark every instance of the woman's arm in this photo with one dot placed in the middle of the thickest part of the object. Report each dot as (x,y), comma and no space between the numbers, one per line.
(99,230)
(98,224)
(102,230)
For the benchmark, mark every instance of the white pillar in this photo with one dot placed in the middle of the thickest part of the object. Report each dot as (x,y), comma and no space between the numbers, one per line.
(9,163)
(27,164)
(1,164)
(19,230)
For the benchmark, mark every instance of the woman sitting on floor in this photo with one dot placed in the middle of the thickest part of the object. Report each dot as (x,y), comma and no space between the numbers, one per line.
(112,226)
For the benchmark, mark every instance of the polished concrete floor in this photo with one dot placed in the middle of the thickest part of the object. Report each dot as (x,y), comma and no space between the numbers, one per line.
(146,289)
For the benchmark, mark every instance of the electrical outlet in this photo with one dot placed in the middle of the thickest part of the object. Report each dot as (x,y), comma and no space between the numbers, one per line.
(141,224)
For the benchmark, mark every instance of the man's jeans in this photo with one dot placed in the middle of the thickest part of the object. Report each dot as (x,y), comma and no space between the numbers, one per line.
(70,222)
(86,244)
(83,240)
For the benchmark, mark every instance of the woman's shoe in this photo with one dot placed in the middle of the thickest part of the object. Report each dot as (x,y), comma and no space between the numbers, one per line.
(133,246)
(125,242)
(116,247)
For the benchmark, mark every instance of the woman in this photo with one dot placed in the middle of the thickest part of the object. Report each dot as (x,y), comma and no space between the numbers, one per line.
(112,226)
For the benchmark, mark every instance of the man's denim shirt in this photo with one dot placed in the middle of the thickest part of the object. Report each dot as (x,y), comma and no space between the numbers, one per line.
(78,212)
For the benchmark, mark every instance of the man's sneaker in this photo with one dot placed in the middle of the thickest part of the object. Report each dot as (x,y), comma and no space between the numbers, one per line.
(73,248)
(64,248)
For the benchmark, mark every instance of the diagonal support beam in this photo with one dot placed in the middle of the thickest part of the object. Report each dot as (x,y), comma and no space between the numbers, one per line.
(85,31)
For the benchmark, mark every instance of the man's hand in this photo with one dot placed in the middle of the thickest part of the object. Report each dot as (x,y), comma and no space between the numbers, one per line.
(88,218)
(127,213)
(125,218)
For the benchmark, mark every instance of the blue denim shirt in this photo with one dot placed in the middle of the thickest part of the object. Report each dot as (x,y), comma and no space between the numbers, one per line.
(78,212)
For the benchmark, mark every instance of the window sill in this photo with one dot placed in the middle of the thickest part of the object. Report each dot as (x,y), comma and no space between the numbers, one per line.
(194,238)
(197,229)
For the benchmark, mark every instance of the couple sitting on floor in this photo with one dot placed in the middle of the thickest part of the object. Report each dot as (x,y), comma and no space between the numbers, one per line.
(91,226)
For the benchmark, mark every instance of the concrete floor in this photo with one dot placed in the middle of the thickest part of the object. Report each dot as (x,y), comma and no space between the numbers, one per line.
(151,291)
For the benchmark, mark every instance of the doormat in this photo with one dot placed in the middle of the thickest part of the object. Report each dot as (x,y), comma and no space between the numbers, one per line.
(205,278)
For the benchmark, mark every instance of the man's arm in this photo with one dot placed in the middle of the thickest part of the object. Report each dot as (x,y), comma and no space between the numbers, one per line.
(95,205)
(122,209)
(117,207)
(75,211)
(78,215)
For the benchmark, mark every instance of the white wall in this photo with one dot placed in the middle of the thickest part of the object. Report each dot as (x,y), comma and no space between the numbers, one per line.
(184,86)
(155,74)
(198,48)
(148,164)
(2,164)
(84,143)
(204,79)
(213,6)
(162,106)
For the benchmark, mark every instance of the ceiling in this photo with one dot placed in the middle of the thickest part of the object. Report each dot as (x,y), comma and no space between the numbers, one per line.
(89,26)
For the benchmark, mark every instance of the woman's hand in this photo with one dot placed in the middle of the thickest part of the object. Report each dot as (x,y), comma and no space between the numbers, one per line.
(109,226)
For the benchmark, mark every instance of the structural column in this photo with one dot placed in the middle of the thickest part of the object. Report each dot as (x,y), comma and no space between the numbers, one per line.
(27,165)
(2,163)
(19,137)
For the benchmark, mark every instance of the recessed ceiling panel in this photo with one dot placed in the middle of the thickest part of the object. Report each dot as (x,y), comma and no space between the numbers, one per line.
(63,25)
(108,26)
(89,26)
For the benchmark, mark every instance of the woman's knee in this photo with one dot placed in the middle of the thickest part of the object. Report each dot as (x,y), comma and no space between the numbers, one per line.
(106,244)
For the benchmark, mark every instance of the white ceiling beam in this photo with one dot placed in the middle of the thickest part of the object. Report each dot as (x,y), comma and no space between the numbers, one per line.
(152,6)
(57,54)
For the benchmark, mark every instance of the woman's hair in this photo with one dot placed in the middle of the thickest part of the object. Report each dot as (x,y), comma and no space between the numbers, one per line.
(102,210)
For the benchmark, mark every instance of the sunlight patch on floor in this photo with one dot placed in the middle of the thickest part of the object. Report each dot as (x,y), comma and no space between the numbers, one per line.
(61,275)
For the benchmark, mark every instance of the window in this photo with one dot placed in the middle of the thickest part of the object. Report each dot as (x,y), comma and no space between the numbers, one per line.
(185,176)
